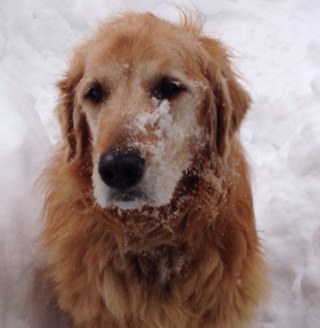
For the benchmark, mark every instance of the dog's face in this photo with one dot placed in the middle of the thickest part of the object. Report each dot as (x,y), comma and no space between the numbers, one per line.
(145,98)
(143,115)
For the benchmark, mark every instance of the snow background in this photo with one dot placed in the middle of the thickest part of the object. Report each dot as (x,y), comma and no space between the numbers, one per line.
(278,51)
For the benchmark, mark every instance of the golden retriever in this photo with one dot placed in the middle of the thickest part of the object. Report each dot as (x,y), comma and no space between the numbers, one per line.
(149,214)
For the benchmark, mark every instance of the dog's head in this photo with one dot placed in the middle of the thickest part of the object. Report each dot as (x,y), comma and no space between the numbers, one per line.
(148,102)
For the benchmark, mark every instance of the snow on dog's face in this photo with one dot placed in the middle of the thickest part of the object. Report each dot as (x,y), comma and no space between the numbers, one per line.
(139,99)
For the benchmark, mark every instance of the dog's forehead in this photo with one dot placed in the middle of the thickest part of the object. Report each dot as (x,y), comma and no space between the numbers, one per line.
(160,49)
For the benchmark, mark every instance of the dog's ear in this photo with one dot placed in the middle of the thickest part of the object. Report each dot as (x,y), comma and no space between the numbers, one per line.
(231,100)
(72,121)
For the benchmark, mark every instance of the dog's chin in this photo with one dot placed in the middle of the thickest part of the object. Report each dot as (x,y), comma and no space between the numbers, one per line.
(133,199)
(129,200)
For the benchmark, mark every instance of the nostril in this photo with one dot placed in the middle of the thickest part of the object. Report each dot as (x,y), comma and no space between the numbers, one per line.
(107,174)
(121,170)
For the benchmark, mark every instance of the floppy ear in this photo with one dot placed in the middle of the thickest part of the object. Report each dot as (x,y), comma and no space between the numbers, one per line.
(72,121)
(231,100)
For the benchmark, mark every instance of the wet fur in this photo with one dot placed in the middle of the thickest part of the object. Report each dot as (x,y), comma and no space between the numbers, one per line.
(195,262)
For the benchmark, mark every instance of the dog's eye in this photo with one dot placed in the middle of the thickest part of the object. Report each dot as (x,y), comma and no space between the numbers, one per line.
(168,88)
(96,93)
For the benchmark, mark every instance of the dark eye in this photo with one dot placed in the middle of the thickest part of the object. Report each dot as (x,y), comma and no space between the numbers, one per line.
(96,93)
(168,88)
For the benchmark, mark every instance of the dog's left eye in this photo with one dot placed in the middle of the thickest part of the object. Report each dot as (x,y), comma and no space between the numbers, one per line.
(96,94)
(168,88)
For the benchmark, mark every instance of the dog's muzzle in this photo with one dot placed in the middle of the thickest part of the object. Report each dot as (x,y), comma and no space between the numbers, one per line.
(121,171)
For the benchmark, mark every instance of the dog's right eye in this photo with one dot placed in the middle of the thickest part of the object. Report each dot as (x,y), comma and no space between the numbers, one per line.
(96,94)
(168,88)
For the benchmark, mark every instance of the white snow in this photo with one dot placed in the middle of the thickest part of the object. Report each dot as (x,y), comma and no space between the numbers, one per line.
(160,115)
(278,51)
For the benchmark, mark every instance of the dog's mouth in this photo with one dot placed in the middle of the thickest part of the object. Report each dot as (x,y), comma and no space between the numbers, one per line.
(127,196)
(129,199)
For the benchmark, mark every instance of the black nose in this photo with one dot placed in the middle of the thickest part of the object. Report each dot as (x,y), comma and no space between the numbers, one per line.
(121,170)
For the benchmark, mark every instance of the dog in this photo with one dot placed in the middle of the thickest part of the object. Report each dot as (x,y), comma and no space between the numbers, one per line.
(149,218)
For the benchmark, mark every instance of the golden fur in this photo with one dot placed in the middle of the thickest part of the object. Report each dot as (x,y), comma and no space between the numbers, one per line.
(194,262)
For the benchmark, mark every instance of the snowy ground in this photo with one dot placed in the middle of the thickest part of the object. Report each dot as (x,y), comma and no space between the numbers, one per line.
(278,51)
